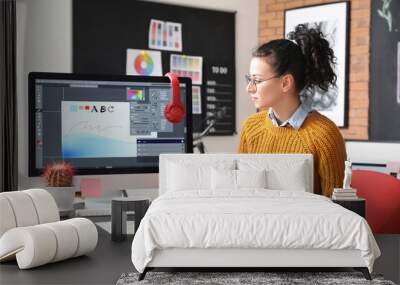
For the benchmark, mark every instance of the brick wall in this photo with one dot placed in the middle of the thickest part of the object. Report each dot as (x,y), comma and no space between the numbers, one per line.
(271,26)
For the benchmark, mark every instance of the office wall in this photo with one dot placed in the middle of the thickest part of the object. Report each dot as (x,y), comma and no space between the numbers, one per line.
(44,43)
(271,26)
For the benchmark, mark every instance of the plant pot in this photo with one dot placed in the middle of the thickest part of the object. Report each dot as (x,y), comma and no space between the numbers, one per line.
(64,196)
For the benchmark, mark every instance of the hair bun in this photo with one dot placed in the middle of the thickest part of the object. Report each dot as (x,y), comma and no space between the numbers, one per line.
(318,55)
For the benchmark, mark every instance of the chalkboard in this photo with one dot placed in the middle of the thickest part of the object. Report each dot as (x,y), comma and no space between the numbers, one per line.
(103,30)
(384,113)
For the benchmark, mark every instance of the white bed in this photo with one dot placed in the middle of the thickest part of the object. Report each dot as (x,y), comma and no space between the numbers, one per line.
(201,219)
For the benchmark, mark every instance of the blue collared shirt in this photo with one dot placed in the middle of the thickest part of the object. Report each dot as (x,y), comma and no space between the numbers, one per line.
(296,120)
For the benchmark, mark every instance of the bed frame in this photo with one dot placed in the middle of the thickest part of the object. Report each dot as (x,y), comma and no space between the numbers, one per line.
(260,259)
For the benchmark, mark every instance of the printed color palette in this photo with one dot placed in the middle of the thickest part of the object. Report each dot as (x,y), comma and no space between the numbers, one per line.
(187,66)
(196,99)
(165,35)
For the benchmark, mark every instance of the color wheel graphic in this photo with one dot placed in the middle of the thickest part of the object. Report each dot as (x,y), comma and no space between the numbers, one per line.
(144,64)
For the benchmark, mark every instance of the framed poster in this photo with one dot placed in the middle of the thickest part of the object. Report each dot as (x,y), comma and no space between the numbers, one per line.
(384,96)
(333,20)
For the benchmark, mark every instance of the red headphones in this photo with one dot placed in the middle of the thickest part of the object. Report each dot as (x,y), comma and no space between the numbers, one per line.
(174,111)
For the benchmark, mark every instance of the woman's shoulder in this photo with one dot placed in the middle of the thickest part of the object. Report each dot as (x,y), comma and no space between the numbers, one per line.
(256,117)
(255,122)
(321,126)
(316,119)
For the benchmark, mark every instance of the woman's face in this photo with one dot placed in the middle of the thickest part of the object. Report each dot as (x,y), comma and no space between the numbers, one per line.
(265,94)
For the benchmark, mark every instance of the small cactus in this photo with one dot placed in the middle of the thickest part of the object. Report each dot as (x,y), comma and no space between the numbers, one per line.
(59,174)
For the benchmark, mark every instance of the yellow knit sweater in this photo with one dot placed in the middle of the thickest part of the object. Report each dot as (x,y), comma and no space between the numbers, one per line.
(318,135)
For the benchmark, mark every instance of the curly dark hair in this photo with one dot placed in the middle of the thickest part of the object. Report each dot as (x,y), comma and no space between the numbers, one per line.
(306,55)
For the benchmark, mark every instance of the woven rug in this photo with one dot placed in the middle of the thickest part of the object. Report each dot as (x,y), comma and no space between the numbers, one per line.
(242,278)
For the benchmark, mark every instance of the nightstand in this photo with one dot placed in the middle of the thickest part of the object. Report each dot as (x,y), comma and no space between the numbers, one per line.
(119,207)
(356,205)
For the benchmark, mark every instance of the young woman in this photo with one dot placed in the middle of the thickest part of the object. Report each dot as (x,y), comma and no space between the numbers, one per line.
(283,75)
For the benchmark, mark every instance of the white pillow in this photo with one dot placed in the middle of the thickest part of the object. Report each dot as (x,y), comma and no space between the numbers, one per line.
(293,179)
(281,174)
(223,179)
(227,179)
(251,178)
(186,175)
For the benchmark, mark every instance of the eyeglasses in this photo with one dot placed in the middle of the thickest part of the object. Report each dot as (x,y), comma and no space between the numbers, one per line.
(255,82)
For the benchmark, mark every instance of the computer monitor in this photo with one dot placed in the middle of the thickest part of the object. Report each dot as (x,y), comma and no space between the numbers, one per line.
(104,124)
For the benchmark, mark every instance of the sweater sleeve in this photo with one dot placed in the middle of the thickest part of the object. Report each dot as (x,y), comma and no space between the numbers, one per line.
(332,154)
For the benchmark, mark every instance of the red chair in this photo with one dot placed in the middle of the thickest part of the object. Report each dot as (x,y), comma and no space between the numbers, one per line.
(382,194)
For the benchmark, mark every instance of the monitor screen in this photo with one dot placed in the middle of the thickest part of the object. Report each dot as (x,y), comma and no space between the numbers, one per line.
(104,124)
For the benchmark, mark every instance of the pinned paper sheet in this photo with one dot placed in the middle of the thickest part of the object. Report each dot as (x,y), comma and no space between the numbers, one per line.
(90,187)
(165,35)
(143,62)
(188,66)
(196,99)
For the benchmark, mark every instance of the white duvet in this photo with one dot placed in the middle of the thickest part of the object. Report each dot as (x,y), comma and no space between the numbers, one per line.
(252,218)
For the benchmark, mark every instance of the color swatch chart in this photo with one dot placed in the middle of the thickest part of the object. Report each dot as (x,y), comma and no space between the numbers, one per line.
(196,100)
(188,66)
(165,35)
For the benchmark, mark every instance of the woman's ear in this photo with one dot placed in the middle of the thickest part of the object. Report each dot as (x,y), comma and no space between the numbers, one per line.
(287,82)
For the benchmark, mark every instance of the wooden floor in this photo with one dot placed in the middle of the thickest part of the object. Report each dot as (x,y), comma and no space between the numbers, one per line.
(103,266)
